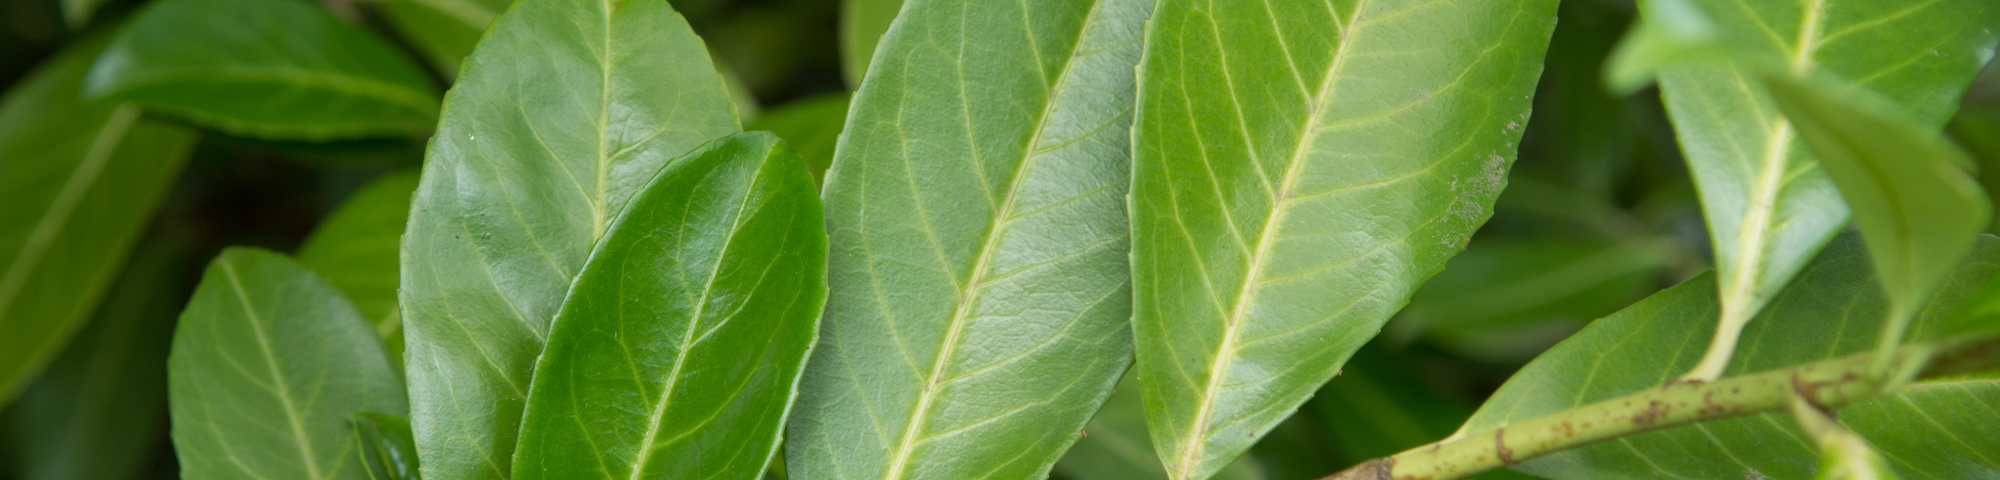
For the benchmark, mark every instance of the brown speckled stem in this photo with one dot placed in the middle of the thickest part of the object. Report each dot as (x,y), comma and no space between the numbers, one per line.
(1829,383)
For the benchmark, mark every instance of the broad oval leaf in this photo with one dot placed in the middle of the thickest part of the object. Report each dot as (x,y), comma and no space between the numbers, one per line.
(1935,429)
(79,179)
(355,248)
(269,362)
(565,109)
(1299,168)
(862,23)
(274,69)
(1768,205)
(96,413)
(727,249)
(979,290)
(811,126)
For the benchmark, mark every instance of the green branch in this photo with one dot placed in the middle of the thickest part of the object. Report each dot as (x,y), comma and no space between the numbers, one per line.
(1829,383)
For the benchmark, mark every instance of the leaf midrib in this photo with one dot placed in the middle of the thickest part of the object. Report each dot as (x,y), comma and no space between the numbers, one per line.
(279,385)
(102,146)
(968,297)
(1735,305)
(1191,445)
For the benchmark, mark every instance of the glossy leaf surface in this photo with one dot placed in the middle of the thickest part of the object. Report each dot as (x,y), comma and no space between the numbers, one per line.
(1769,206)
(565,109)
(1299,168)
(79,179)
(810,126)
(862,23)
(269,361)
(979,290)
(355,247)
(1917,208)
(1935,429)
(729,246)
(97,414)
(269,69)
(388,449)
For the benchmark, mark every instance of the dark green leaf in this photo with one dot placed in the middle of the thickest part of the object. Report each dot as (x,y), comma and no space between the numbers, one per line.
(1115,445)
(811,126)
(1299,168)
(1496,300)
(728,245)
(278,69)
(564,110)
(980,295)
(99,411)
(862,23)
(1938,429)
(269,361)
(388,450)
(1379,406)
(443,31)
(1769,206)
(78,180)
(1917,208)
(355,248)
(77,13)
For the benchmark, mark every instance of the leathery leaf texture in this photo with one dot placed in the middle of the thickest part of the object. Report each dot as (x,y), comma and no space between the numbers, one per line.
(1299,169)
(269,362)
(565,108)
(1769,205)
(1942,428)
(678,352)
(979,303)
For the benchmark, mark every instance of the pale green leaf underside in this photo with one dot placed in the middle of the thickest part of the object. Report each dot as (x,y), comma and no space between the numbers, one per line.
(730,243)
(1940,429)
(1769,206)
(78,180)
(979,295)
(1300,167)
(565,109)
(268,363)
(280,69)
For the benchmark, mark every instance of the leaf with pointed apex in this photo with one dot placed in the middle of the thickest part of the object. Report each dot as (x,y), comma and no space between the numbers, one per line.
(1768,204)
(811,126)
(387,448)
(1936,429)
(1298,171)
(862,23)
(355,248)
(564,110)
(979,303)
(78,180)
(1918,210)
(274,69)
(269,362)
(97,414)
(728,244)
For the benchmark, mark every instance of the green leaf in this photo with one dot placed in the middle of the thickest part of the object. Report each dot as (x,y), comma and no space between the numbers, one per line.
(1768,205)
(97,413)
(978,312)
(355,249)
(565,109)
(1918,211)
(729,243)
(442,31)
(1379,405)
(79,179)
(862,23)
(275,69)
(269,361)
(1115,445)
(1503,295)
(1265,130)
(1935,429)
(388,450)
(76,13)
(1844,455)
(811,126)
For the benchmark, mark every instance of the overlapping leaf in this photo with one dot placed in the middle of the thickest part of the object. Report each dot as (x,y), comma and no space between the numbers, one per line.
(78,179)
(1300,167)
(979,289)
(1768,204)
(727,249)
(276,69)
(862,23)
(810,126)
(355,248)
(564,110)
(443,31)
(269,362)
(1936,429)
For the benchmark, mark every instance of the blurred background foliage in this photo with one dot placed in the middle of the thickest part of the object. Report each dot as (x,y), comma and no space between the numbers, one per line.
(1599,212)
